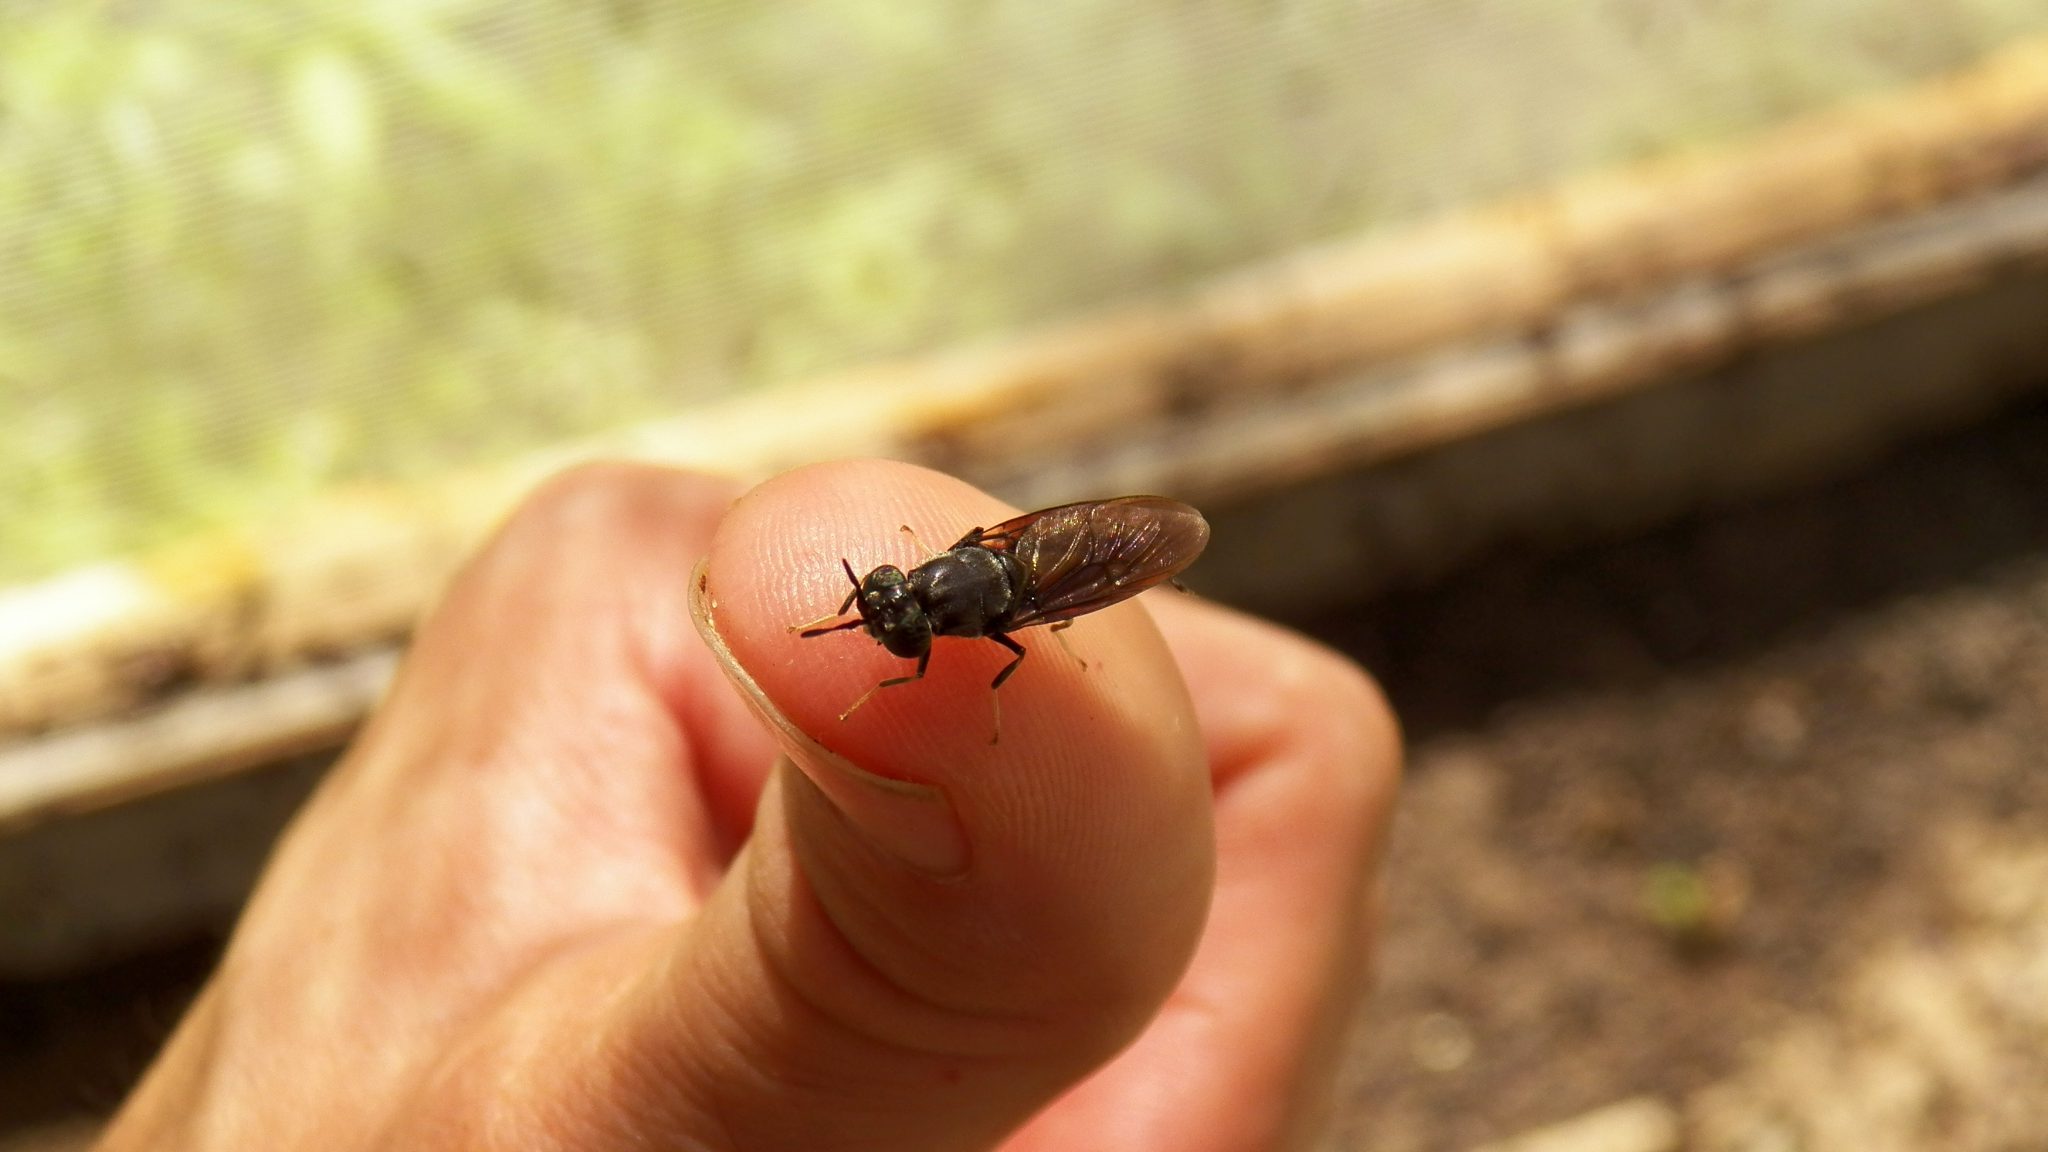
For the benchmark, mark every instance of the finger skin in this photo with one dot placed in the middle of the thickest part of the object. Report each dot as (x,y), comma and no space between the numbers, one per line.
(873,1004)
(1306,758)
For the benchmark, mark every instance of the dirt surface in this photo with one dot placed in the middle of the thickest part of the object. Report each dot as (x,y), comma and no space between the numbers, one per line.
(1748,816)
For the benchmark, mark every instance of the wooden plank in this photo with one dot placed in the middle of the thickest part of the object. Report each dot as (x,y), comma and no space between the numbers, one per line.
(1599,351)
(204,734)
(1640,460)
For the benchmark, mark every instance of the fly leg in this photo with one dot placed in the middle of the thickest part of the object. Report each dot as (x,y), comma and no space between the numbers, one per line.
(994,695)
(1060,627)
(921,545)
(890,683)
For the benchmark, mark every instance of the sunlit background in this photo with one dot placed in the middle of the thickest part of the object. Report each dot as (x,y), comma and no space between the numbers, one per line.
(251,249)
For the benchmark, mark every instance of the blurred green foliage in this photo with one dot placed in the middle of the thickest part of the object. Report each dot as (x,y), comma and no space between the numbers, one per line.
(250,247)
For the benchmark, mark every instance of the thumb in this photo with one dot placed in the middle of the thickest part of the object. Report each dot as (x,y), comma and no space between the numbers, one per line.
(928,936)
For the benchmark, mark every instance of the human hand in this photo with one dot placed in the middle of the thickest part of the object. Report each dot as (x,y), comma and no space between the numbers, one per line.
(561,894)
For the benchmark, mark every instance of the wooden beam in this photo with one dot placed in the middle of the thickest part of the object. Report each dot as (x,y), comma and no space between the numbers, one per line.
(204,734)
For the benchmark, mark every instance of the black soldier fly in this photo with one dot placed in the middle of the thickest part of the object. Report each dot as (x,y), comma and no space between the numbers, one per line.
(1043,567)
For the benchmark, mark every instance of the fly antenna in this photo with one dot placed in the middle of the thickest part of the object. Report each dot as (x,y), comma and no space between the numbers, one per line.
(812,629)
(847,605)
(842,626)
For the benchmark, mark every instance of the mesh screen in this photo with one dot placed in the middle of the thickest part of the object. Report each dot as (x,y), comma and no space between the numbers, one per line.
(249,248)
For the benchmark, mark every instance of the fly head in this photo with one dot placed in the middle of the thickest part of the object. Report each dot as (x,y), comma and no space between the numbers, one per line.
(892,613)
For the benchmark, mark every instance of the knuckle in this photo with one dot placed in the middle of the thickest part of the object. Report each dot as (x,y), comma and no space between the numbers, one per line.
(579,522)
(580,497)
(603,507)
(1344,723)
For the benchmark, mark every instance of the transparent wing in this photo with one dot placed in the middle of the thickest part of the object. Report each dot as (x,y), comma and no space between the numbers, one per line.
(1077,558)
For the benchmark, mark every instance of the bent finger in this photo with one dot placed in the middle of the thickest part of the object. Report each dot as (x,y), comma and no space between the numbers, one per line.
(1306,757)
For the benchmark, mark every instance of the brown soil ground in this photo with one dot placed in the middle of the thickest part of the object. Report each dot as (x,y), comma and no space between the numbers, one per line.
(1749,815)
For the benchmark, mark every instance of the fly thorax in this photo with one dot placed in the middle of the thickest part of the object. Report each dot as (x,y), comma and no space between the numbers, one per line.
(966,592)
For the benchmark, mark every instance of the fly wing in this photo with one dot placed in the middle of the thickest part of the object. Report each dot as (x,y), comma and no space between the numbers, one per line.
(1077,558)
